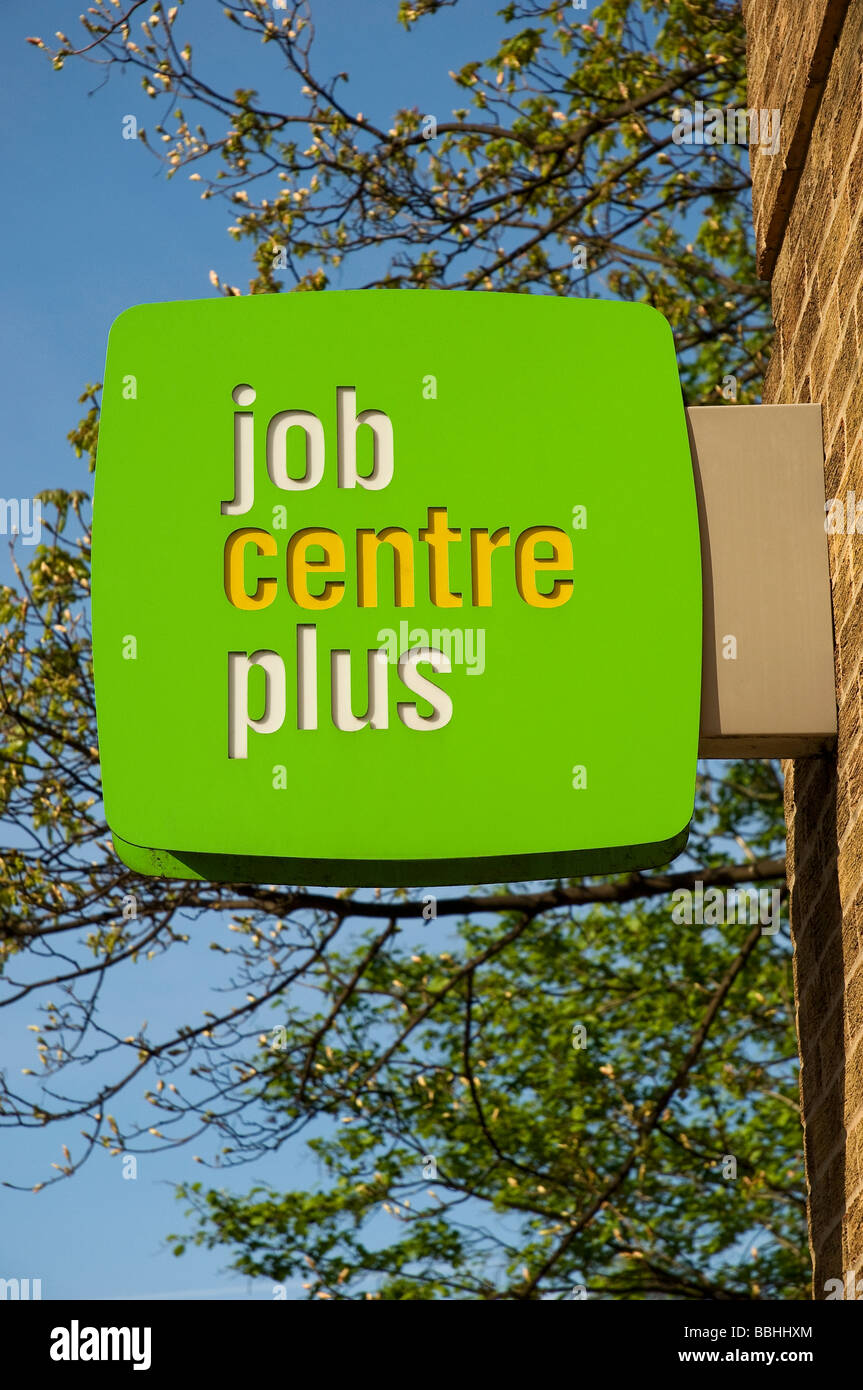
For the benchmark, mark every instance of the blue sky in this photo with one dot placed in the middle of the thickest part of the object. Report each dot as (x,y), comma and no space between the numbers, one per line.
(92,227)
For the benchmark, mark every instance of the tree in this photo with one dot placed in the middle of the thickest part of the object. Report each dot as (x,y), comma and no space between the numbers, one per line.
(546,1087)
(561,151)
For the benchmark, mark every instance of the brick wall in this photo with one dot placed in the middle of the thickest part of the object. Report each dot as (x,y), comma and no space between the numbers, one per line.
(806,58)
(789,51)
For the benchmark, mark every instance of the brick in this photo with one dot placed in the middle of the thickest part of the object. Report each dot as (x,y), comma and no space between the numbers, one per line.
(854,1004)
(821,992)
(854,180)
(854,408)
(835,244)
(788,305)
(842,581)
(818,203)
(852,921)
(850,866)
(851,635)
(827,1197)
(825,349)
(850,273)
(853,1083)
(834,464)
(845,366)
(827,1258)
(773,375)
(854,1160)
(806,334)
(845,127)
(849,723)
(837,544)
(808,59)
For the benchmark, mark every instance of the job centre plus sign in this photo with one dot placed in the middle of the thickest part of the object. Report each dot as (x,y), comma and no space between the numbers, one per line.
(302,512)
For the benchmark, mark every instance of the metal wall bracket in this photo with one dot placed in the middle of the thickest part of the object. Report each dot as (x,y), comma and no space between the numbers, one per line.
(759,480)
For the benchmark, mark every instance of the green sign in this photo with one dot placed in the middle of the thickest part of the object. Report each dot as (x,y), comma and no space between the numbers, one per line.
(395,587)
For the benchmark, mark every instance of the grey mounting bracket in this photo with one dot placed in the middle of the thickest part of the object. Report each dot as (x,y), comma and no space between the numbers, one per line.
(759,481)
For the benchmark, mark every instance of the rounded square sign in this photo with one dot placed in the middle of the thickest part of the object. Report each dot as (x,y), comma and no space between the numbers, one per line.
(395,587)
